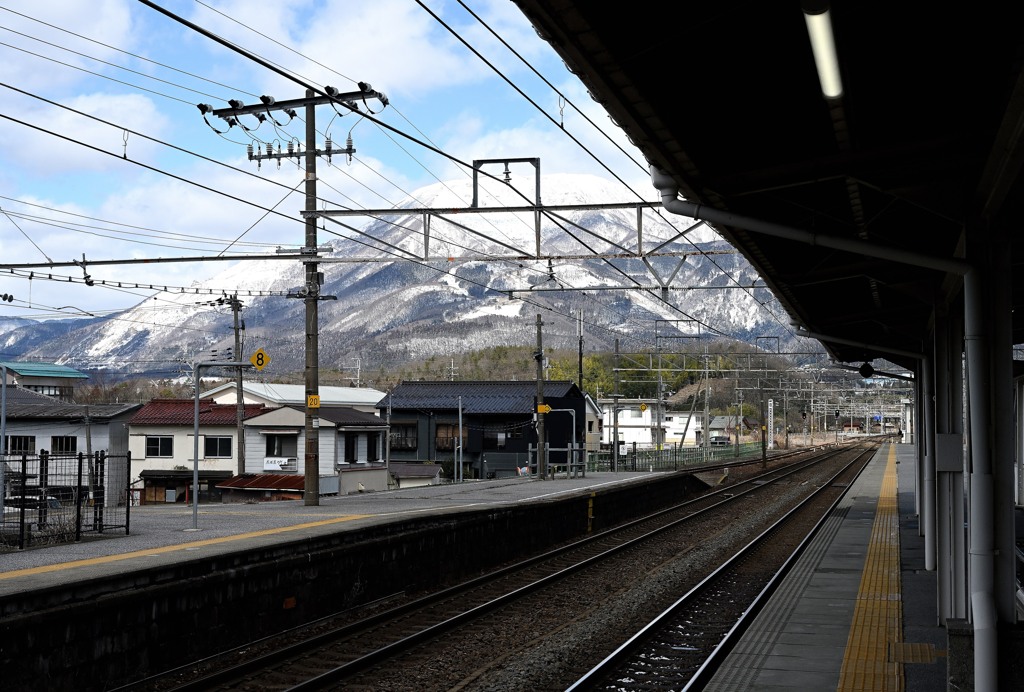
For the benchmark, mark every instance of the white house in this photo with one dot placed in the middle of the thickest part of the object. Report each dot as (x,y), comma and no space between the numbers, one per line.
(351,445)
(641,422)
(682,428)
(35,423)
(594,425)
(638,421)
(274,395)
(162,442)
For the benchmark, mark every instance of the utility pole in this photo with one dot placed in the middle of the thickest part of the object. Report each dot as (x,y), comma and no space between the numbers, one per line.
(542,457)
(311,495)
(236,307)
(579,375)
(616,395)
(310,293)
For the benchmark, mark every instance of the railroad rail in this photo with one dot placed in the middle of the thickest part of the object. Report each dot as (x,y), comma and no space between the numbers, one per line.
(685,644)
(404,640)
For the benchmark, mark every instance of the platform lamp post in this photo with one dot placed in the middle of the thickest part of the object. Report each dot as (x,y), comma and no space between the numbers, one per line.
(3,418)
(196,367)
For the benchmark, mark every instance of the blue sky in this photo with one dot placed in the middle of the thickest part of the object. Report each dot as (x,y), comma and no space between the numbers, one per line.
(72,186)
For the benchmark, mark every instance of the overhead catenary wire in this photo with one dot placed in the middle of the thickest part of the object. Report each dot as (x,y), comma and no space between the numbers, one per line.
(235,169)
(124,52)
(360,114)
(105,122)
(574,139)
(247,202)
(386,132)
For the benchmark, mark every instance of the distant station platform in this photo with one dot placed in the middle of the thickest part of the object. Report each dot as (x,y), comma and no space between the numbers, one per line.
(858,611)
(161,534)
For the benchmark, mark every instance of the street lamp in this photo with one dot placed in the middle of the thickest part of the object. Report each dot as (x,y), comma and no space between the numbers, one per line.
(196,367)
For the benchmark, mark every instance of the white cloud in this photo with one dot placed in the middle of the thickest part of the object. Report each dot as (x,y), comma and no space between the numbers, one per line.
(51,147)
(448,94)
(104,21)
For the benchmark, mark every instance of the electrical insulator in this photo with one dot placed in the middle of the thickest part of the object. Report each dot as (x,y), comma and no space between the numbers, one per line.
(328,148)
(348,146)
(248,150)
(291,147)
(270,149)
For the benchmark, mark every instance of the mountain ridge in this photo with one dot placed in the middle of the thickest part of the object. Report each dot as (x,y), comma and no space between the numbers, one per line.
(411,285)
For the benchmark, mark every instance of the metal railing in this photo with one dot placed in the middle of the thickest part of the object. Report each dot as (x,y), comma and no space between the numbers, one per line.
(670,458)
(50,499)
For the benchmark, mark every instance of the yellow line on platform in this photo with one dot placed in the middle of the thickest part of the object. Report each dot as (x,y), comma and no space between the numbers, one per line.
(178,546)
(877,628)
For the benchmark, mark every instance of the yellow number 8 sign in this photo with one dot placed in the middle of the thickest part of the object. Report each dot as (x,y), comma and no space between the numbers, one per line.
(260,359)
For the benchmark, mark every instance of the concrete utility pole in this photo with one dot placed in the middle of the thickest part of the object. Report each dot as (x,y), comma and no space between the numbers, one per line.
(310,293)
(312,466)
(236,307)
(542,457)
(616,395)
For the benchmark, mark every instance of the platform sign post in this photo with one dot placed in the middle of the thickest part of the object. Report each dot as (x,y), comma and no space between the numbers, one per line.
(196,367)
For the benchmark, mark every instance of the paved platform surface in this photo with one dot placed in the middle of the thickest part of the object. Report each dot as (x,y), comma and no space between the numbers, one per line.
(858,610)
(169,533)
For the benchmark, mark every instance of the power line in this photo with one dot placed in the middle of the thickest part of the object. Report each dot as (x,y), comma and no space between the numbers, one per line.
(120,50)
(379,124)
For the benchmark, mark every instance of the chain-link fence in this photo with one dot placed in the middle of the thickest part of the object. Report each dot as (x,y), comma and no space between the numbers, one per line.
(50,498)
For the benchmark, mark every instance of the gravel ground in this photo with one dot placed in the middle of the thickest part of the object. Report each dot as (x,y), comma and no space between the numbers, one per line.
(565,631)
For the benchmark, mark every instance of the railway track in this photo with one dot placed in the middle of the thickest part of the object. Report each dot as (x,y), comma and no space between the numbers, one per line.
(681,648)
(521,605)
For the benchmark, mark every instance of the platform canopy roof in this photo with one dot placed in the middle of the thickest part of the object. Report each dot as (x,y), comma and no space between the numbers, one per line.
(874,190)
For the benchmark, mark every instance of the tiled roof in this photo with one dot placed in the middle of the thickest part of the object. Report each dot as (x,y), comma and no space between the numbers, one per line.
(265,481)
(182,412)
(346,416)
(23,404)
(43,370)
(477,397)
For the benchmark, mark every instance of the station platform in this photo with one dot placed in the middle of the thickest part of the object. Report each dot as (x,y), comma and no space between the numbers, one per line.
(166,534)
(858,610)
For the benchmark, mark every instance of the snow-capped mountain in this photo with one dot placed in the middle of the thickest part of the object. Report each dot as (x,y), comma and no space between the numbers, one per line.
(410,285)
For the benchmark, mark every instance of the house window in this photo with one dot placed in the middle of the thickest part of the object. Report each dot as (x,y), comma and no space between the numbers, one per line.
(350,448)
(447,434)
(159,446)
(217,447)
(372,446)
(63,444)
(21,444)
(282,445)
(493,439)
(403,436)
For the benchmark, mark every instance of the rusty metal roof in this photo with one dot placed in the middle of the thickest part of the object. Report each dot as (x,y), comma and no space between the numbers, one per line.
(182,412)
(265,481)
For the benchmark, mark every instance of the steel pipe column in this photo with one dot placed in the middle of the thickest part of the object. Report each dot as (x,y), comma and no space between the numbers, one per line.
(989,355)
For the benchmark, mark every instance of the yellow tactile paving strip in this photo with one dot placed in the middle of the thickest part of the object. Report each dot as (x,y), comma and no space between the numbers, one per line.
(192,545)
(875,651)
